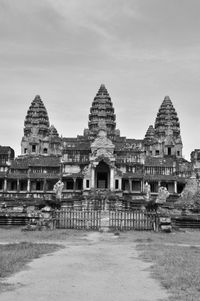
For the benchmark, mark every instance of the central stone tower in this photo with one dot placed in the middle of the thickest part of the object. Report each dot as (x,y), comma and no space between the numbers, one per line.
(102,111)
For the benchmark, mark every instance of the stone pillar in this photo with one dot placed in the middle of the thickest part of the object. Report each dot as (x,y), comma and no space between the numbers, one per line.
(18,188)
(74,185)
(45,185)
(142,186)
(175,186)
(130,184)
(5,185)
(92,177)
(84,184)
(111,178)
(120,184)
(28,185)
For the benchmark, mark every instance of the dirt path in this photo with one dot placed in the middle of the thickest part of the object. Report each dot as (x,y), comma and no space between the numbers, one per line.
(100,267)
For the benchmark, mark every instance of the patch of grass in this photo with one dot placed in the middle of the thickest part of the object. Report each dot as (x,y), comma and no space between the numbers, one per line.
(176,267)
(191,237)
(15,256)
(14,234)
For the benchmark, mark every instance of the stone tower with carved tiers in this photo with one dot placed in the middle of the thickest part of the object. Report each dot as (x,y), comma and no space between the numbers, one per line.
(101,111)
(39,138)
(164,138)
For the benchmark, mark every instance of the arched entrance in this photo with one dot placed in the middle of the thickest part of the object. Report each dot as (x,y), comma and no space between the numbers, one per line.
(102,175)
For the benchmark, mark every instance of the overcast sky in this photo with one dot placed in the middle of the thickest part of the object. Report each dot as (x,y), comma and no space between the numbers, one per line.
(63,50)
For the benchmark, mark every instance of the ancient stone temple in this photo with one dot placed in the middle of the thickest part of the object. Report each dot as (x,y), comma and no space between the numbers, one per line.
(99,161)
(39,137)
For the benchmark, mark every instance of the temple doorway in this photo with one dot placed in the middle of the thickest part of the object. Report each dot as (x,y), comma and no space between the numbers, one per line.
(102,175)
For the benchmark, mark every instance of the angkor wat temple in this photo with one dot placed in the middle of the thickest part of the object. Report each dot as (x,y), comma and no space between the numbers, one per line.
(100,160)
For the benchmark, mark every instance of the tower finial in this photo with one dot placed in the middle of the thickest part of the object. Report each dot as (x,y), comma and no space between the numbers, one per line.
(102,90)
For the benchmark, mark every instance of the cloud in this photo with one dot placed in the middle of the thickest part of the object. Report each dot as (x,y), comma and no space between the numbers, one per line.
(63,50)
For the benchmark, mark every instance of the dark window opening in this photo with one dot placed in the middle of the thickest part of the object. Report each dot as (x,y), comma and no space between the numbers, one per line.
(136,185)
(45,150)
(102,172)
(79,184)
(38,186)
(13,185)
(70,185)
(50,185)
(169,151)
(125,184)
(154,186)
(116,184)
(178,153)
(157,152)
(23,185)
(102,180)
(87,184)
(180,187)
(33,148)
(1,184)
(25,150)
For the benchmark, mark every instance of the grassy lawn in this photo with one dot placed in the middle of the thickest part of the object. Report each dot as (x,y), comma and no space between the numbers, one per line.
(174,264)
(175,256)
(14,234)
(15,256)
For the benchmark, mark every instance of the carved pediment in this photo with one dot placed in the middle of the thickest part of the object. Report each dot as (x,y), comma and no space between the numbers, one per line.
(102,148)
(102,142)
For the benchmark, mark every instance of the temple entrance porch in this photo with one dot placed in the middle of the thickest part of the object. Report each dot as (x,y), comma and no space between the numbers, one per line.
(102,176)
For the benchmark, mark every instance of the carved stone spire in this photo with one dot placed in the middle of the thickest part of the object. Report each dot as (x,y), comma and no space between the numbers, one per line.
(36,129)
(167,129)
(37,120)
(53,132)
(102,110)
(150,134)
(166,117)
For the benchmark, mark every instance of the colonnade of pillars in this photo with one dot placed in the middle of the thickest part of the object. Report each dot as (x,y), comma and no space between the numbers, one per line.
(130,184)
(42,185)
(28,185)
(79,184)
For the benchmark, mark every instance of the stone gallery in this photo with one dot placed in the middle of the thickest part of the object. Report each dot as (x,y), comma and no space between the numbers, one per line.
(99,162)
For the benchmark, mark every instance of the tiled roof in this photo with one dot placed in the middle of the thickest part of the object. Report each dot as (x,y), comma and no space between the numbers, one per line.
(130,175)
(24,162)
(20,163)
(72,175)
(77,146)
(164,178)
(43,176)
(161,162)
(69,139)
(17,176)
(128,145)
(5,149)
(2,173)
(45,161)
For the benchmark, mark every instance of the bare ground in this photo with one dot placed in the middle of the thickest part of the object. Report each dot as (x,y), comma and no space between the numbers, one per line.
(96,267)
